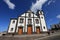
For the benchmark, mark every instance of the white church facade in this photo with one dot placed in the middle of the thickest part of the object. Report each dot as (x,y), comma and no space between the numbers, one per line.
(28,23)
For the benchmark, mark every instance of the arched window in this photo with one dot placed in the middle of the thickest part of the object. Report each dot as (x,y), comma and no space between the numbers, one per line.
(11,29)
(29,21)
(42,17)
(29,14)
(13,21)
(44,27)
(21,20)
(37,21)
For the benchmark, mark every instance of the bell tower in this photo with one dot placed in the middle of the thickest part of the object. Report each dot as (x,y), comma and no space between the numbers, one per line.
(42,21)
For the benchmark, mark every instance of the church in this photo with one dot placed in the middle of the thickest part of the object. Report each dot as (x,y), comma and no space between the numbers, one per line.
(28,23)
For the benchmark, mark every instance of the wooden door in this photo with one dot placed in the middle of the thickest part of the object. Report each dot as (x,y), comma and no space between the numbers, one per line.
(38,30)
(29,30)
(20,30)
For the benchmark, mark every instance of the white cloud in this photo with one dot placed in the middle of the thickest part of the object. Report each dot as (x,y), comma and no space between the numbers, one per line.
(51,1)
(58,16)
(10,4)
(38,5)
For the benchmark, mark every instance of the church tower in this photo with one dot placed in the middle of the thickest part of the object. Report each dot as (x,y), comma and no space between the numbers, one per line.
(42,20)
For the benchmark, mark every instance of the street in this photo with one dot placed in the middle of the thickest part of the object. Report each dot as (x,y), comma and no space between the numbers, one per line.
(52,37)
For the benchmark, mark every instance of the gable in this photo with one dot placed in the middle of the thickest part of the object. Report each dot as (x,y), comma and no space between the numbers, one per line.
(23,15)
(35,15)
(29,14)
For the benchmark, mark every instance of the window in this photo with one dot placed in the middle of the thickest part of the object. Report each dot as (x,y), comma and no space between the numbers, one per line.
(21,20)
(29,15)
(37,21)
(29,21)
(44,27)
(42,17)
(13,21)
(11,29)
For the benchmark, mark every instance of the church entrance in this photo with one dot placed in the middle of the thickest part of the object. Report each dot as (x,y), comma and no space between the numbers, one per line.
(20,30)
(29,29)
(37,30)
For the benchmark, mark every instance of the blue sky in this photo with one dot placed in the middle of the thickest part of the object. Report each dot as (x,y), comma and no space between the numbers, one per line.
(51,10)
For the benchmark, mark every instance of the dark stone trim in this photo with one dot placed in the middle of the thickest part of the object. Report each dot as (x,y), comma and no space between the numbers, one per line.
(33,22)
(40,25)
(29,25)
(25,22)
(16,26)
(31,17)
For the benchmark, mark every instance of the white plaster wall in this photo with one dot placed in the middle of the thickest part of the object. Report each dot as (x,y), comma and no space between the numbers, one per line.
(27,24)
(23,14)
(35,15)
(36,25)
(12,25)
(27,14)
(33,24)
(43,23)
(21,24)
(31,14)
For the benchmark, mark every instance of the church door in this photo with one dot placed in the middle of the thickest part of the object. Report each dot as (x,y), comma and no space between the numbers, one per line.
(37,30)
(20,30)
(29,30)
